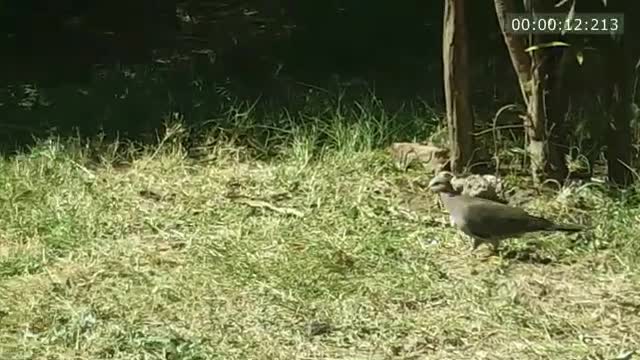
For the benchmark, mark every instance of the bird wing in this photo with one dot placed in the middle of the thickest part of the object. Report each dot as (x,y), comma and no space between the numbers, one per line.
(488,219)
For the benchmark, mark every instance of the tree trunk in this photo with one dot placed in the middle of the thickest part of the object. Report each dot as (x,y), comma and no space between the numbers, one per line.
(545,109)
(516,45)
(456,86)
(620,62)
(535,122)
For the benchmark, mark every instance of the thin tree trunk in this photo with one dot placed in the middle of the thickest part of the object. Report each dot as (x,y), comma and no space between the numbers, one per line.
(545,155)
(516,45)
(544,113)
(619,130)
(456,86)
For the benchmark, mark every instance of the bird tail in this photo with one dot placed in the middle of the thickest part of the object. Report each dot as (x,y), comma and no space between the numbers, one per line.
(566,227)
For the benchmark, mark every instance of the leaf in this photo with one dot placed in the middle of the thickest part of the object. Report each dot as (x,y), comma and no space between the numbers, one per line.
(580,57)
(562,2)
(570,15)
(546,45)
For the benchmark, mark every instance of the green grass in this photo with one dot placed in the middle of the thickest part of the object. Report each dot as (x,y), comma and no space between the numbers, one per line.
(164,258)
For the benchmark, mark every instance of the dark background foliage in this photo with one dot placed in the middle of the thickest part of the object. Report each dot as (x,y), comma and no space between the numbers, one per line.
(123,66)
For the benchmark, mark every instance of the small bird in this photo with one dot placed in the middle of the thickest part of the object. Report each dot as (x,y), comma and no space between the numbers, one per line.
(487,221)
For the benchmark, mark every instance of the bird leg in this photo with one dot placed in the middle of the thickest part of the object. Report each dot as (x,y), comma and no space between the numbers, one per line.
(495,246)
(494,243)
(476,243)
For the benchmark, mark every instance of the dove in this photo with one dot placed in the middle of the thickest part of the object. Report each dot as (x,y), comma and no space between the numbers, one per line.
(487,221)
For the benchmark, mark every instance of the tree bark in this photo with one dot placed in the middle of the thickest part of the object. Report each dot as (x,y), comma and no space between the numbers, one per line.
(620,62)
(456,86)
(545,110)
(516,45)
(534,126)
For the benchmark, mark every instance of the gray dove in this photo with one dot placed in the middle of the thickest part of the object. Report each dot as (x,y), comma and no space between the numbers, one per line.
(487,221)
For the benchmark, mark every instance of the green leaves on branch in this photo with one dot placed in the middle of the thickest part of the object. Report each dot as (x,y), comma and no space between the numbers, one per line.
(579,53)
(533,48)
